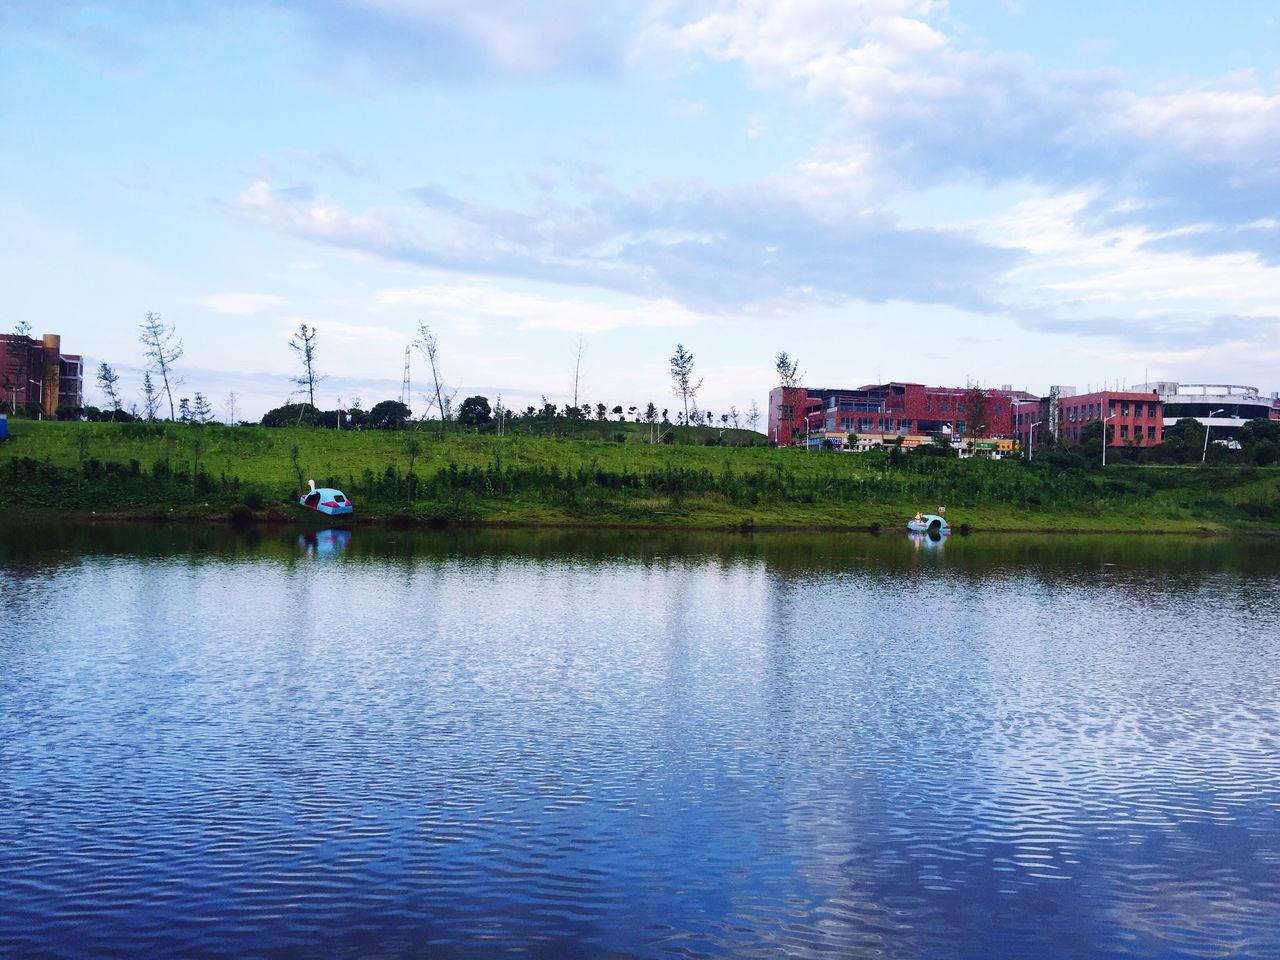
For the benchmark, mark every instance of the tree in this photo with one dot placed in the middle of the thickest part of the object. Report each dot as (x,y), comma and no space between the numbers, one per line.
(475,412)
(201,409)
(290,415)
(389,415)
(975,413)
(753,416)
(429,347)
(184,410)
(150,399)
(577,369)
(303,345)
(602,412)
(734,417)
(109,383)
(232,404)
(162,348)
(617,412)
(789,375)
(682,377)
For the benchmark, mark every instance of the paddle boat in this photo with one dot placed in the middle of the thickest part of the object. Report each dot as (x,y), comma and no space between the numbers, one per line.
(326,500)
(929,523)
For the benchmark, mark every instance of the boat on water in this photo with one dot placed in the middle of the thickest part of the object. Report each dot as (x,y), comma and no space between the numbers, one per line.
(929,523)
(326,500)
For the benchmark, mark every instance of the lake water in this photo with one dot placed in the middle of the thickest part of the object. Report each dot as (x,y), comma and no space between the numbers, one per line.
(574,745)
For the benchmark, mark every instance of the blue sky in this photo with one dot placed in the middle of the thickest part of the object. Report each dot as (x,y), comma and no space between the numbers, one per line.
(1005,191)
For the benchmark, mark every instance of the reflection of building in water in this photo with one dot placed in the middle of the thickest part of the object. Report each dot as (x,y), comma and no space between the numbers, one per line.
(325,543)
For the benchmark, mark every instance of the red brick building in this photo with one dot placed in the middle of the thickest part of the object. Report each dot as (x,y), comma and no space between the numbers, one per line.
(1136,418)
(890,408)
(37,371)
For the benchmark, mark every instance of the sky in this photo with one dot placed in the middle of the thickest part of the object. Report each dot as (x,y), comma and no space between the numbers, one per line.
(993,191)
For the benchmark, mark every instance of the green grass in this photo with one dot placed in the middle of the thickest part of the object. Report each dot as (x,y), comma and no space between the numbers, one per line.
(149,469)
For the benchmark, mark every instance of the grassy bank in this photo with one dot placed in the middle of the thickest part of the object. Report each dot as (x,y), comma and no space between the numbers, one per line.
(145,469)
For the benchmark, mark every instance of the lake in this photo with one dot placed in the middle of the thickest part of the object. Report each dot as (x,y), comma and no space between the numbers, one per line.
(581,744)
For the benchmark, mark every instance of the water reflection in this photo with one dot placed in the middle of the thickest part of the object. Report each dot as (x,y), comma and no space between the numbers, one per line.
(637,744)
(324,543)
(932,540)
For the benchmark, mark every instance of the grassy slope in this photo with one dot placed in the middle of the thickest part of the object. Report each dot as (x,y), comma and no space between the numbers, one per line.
(806,489)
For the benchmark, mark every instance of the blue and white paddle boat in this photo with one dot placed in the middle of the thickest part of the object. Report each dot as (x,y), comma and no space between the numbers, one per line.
(326,500)
(929,523)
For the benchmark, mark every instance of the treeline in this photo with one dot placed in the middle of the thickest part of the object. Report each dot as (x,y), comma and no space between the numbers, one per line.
(1257,442)
(476,415)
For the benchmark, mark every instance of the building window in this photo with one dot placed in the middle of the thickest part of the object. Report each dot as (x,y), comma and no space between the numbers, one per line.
(1124,431)
(1151,433)
(1124,409)
(1111,410)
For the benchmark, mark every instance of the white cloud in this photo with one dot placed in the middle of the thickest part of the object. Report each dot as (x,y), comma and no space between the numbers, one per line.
(241,304)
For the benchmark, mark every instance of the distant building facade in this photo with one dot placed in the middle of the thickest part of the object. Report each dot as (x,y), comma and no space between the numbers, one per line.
(899,409)
(37,371)
(1224,407)
(1134,418)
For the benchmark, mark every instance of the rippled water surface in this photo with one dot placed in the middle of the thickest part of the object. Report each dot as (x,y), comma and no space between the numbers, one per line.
(576,745)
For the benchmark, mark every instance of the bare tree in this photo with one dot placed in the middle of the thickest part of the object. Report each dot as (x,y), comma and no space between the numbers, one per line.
(789,375)
(429,347)
(109,382)
(150,399)
(734,417)
(682,377)
(303,344)
(753,416)
(577,369)
(232,403)
(162,348)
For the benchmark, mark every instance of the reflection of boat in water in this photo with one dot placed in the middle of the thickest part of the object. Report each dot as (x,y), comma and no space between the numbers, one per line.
(927,541)
(929,523)
(325,543)
(326,500)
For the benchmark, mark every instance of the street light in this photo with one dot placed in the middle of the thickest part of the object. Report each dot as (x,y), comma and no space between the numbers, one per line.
(38,383)
(1031,448)
(1205,452)
(1104,437)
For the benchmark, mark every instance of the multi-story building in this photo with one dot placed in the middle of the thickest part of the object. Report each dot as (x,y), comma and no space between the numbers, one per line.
(1224,407)
(1135,417)
(891,409)
(37,371)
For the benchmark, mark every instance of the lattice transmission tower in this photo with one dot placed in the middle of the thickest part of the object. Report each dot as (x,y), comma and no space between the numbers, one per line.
(404,386)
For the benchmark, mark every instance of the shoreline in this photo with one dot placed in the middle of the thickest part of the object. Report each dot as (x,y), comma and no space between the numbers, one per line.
(406,522)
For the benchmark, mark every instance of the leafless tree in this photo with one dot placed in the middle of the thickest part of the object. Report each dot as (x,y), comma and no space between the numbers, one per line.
(577,369)
(162,348)
(753,416)
(429,347)
(232,404)
(303,344)
(733,417)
